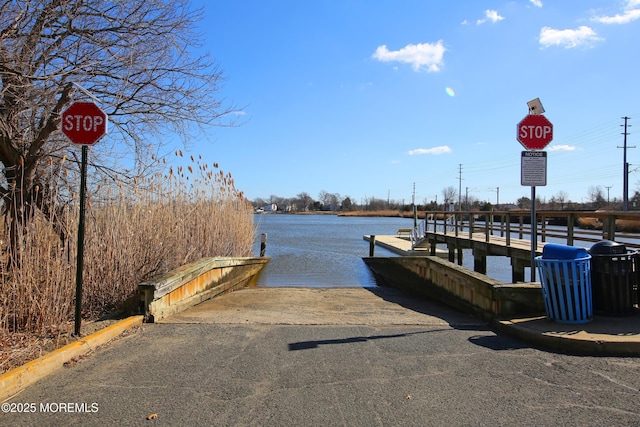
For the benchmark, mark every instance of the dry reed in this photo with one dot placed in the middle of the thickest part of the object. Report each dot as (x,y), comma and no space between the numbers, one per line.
(132,232)
(624,225)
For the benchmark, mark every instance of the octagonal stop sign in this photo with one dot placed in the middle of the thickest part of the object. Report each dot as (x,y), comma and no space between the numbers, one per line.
(84,123)
(535,132)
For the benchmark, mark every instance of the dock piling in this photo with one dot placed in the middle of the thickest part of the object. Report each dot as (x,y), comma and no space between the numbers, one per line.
(263,244)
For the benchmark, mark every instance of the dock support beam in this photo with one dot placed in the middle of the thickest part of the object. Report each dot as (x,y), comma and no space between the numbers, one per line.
(517,270)
(480,261)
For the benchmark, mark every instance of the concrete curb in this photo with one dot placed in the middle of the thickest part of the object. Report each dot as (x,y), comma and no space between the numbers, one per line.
(13,381)
(575,342)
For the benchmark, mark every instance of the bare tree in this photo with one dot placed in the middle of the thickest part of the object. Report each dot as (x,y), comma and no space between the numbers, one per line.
(562,197)
(449,195)
(305,201)
(134,56)
(596,196)
(259,202)
(524,202)
(329,200)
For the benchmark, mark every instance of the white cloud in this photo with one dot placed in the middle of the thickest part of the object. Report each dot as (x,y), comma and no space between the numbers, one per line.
(630,13)
(421,56)
(436,151)
(562,148)
(490,15)
(582,36)
(536,3)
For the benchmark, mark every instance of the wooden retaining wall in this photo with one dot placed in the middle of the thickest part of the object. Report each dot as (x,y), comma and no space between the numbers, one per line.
(193,283)
(457,286)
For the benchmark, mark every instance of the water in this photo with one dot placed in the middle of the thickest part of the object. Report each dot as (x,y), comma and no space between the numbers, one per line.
(321,250)
(327,250)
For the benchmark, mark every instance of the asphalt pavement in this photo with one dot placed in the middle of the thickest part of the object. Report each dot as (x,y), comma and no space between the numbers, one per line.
(327,356)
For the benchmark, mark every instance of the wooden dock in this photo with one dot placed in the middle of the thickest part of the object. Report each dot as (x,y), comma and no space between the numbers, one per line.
(519,250)
(482,246)
(400,245)
(493,234)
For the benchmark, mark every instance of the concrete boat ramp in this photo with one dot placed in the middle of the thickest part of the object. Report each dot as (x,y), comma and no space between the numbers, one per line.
(322,306)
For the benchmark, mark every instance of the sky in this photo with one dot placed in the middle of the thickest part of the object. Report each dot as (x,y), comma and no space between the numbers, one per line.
(373,98)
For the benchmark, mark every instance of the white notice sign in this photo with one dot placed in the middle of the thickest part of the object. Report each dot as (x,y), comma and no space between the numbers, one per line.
(534,168)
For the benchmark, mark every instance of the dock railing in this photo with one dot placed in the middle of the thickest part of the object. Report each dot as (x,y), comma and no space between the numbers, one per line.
(569,227)
(418,233)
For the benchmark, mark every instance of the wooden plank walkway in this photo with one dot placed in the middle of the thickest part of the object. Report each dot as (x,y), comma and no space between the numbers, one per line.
(495,245)
(402,246)
(481,244)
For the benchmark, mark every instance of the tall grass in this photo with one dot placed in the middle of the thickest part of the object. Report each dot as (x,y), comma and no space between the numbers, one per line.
(132,232)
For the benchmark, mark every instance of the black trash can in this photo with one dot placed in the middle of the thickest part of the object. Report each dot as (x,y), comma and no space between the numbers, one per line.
(613,278)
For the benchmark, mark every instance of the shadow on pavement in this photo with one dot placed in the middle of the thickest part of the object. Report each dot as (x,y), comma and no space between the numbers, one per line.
(498,342)
(306,345)
(422,305)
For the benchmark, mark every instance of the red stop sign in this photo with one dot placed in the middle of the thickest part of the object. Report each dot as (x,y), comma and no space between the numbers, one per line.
(84,123)
(535,132)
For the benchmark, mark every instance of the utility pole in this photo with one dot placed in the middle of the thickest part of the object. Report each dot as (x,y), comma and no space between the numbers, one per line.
(460,186)
(466,197)
(413,206)
(497,190)
(625,168)
(413,196)
(608,188)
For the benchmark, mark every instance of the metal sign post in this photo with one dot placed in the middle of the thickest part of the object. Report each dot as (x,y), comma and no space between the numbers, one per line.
(534,234)
(534,132)
(533,172)
(80,255)
(84,123)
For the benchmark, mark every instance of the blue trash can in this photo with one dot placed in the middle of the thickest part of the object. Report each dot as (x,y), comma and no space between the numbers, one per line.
(565,276)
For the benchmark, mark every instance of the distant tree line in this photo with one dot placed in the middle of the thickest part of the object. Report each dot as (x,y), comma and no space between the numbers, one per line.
(304,202)
(597,198)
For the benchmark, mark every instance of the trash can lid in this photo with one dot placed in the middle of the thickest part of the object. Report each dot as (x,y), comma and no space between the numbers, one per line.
(608,247)
(556,251)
